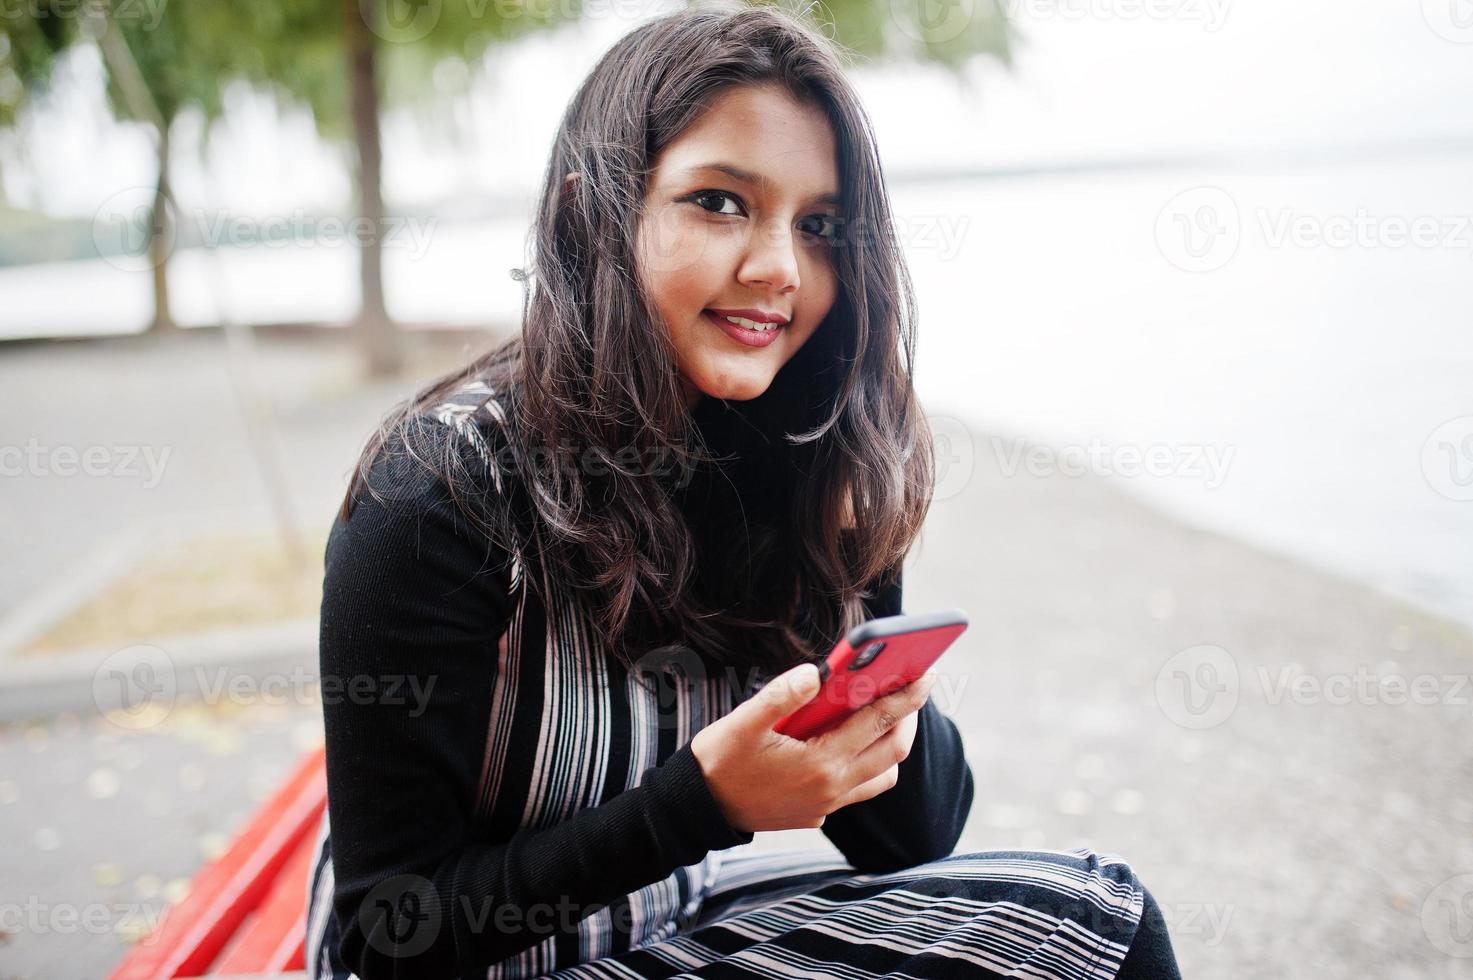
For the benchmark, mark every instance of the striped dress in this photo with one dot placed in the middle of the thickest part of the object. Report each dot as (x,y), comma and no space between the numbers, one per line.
(516,770)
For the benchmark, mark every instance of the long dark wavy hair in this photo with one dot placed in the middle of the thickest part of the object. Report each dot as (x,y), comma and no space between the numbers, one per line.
(746,554)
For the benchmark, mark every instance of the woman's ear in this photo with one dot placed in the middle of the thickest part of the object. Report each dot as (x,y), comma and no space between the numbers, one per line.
(569,180)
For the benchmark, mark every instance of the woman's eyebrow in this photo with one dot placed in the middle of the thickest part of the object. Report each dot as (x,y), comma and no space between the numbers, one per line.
(756,180)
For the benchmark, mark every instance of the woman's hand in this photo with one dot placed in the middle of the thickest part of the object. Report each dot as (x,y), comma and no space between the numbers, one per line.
(767,781)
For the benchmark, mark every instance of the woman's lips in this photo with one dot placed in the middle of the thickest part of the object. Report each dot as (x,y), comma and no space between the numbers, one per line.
(752,338)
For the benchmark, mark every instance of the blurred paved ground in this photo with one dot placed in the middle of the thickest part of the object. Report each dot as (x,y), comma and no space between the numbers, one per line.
(1122,687)
(173,403)
(105,826)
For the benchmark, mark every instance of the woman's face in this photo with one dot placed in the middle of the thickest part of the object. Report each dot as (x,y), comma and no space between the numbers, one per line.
(738,215)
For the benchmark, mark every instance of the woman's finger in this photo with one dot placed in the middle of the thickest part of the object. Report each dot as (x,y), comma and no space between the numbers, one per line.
(870,787)
(871,722)
(887,750)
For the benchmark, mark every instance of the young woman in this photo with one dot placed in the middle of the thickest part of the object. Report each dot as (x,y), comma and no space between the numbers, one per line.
(573,586)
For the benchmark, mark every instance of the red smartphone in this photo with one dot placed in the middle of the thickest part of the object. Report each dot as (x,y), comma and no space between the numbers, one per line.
(875,659)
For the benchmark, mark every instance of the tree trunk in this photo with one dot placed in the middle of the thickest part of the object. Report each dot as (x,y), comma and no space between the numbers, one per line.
(161,240)
(378,340)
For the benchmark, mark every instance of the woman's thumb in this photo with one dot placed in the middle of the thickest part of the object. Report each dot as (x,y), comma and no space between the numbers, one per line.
(786,693)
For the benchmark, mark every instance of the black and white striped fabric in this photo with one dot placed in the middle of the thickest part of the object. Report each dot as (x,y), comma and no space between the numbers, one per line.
(1069,915)
(743,911)
(807,914)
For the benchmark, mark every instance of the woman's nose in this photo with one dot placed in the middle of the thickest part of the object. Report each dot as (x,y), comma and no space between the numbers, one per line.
(771,257)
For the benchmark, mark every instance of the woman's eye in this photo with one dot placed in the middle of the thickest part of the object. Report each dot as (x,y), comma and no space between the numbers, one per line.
(825,226)
(821,226)
(700,196)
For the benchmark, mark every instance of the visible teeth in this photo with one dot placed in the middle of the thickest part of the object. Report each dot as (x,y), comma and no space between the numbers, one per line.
(752,324)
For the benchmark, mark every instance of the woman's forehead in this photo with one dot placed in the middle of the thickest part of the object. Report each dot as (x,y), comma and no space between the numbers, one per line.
(760,137)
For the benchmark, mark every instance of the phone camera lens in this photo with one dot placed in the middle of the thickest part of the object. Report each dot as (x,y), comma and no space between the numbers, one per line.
(869,653)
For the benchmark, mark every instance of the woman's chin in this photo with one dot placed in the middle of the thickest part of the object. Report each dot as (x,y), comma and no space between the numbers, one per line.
(735,389)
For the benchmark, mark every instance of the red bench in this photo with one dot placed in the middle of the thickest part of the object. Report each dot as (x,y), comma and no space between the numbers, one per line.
(245,911)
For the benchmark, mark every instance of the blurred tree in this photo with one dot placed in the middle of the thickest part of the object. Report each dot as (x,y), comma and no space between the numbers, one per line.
(155,66)
(950,34)
(161,60)
(392,48)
